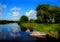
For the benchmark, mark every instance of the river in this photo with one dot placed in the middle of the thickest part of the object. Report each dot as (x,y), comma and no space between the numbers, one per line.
(12,31)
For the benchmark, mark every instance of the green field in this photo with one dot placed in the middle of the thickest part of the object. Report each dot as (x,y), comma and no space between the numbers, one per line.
(43,27)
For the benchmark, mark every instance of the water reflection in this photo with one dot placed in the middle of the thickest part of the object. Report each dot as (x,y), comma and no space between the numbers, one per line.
(13,31)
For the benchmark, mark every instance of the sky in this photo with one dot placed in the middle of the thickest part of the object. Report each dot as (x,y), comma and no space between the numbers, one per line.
(14,9)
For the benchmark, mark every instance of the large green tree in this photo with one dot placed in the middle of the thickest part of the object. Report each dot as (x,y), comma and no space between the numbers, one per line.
(47,13)
(24,19)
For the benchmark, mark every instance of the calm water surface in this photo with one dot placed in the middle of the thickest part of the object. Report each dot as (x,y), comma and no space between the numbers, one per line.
(13,31)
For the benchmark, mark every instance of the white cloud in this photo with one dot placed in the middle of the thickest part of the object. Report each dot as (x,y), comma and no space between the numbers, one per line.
(0,13)
(15,13)
(31,14)
(15,18)
(1,8)
(15,9)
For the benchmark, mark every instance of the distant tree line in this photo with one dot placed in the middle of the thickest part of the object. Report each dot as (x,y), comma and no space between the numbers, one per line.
(7,21)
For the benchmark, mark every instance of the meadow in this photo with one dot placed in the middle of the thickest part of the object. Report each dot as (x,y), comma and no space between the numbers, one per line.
(53,29)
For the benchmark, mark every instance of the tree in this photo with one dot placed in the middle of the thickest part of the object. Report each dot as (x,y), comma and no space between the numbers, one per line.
(47,13)
(32,21)
(57,17)
(24,19)
(42,13)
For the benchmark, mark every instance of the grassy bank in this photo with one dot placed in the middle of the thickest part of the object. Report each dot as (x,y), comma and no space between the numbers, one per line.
(52,28)
(41,27)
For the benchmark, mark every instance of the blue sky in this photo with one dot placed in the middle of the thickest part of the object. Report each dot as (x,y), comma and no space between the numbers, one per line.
(14,9)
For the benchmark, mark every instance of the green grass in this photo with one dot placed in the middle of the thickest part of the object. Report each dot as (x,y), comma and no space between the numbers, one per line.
(43,27)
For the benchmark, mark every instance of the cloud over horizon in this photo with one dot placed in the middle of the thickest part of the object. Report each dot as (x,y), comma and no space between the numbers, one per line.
(14,12)
(15,8)
(31,14)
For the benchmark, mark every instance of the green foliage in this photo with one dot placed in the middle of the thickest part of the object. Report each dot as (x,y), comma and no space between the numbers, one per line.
(23,19)
(32,21)
(54,29)
(58,30)
(41,27)
(48,13)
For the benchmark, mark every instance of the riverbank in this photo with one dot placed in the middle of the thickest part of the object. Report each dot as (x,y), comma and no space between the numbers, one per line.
(47,28)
